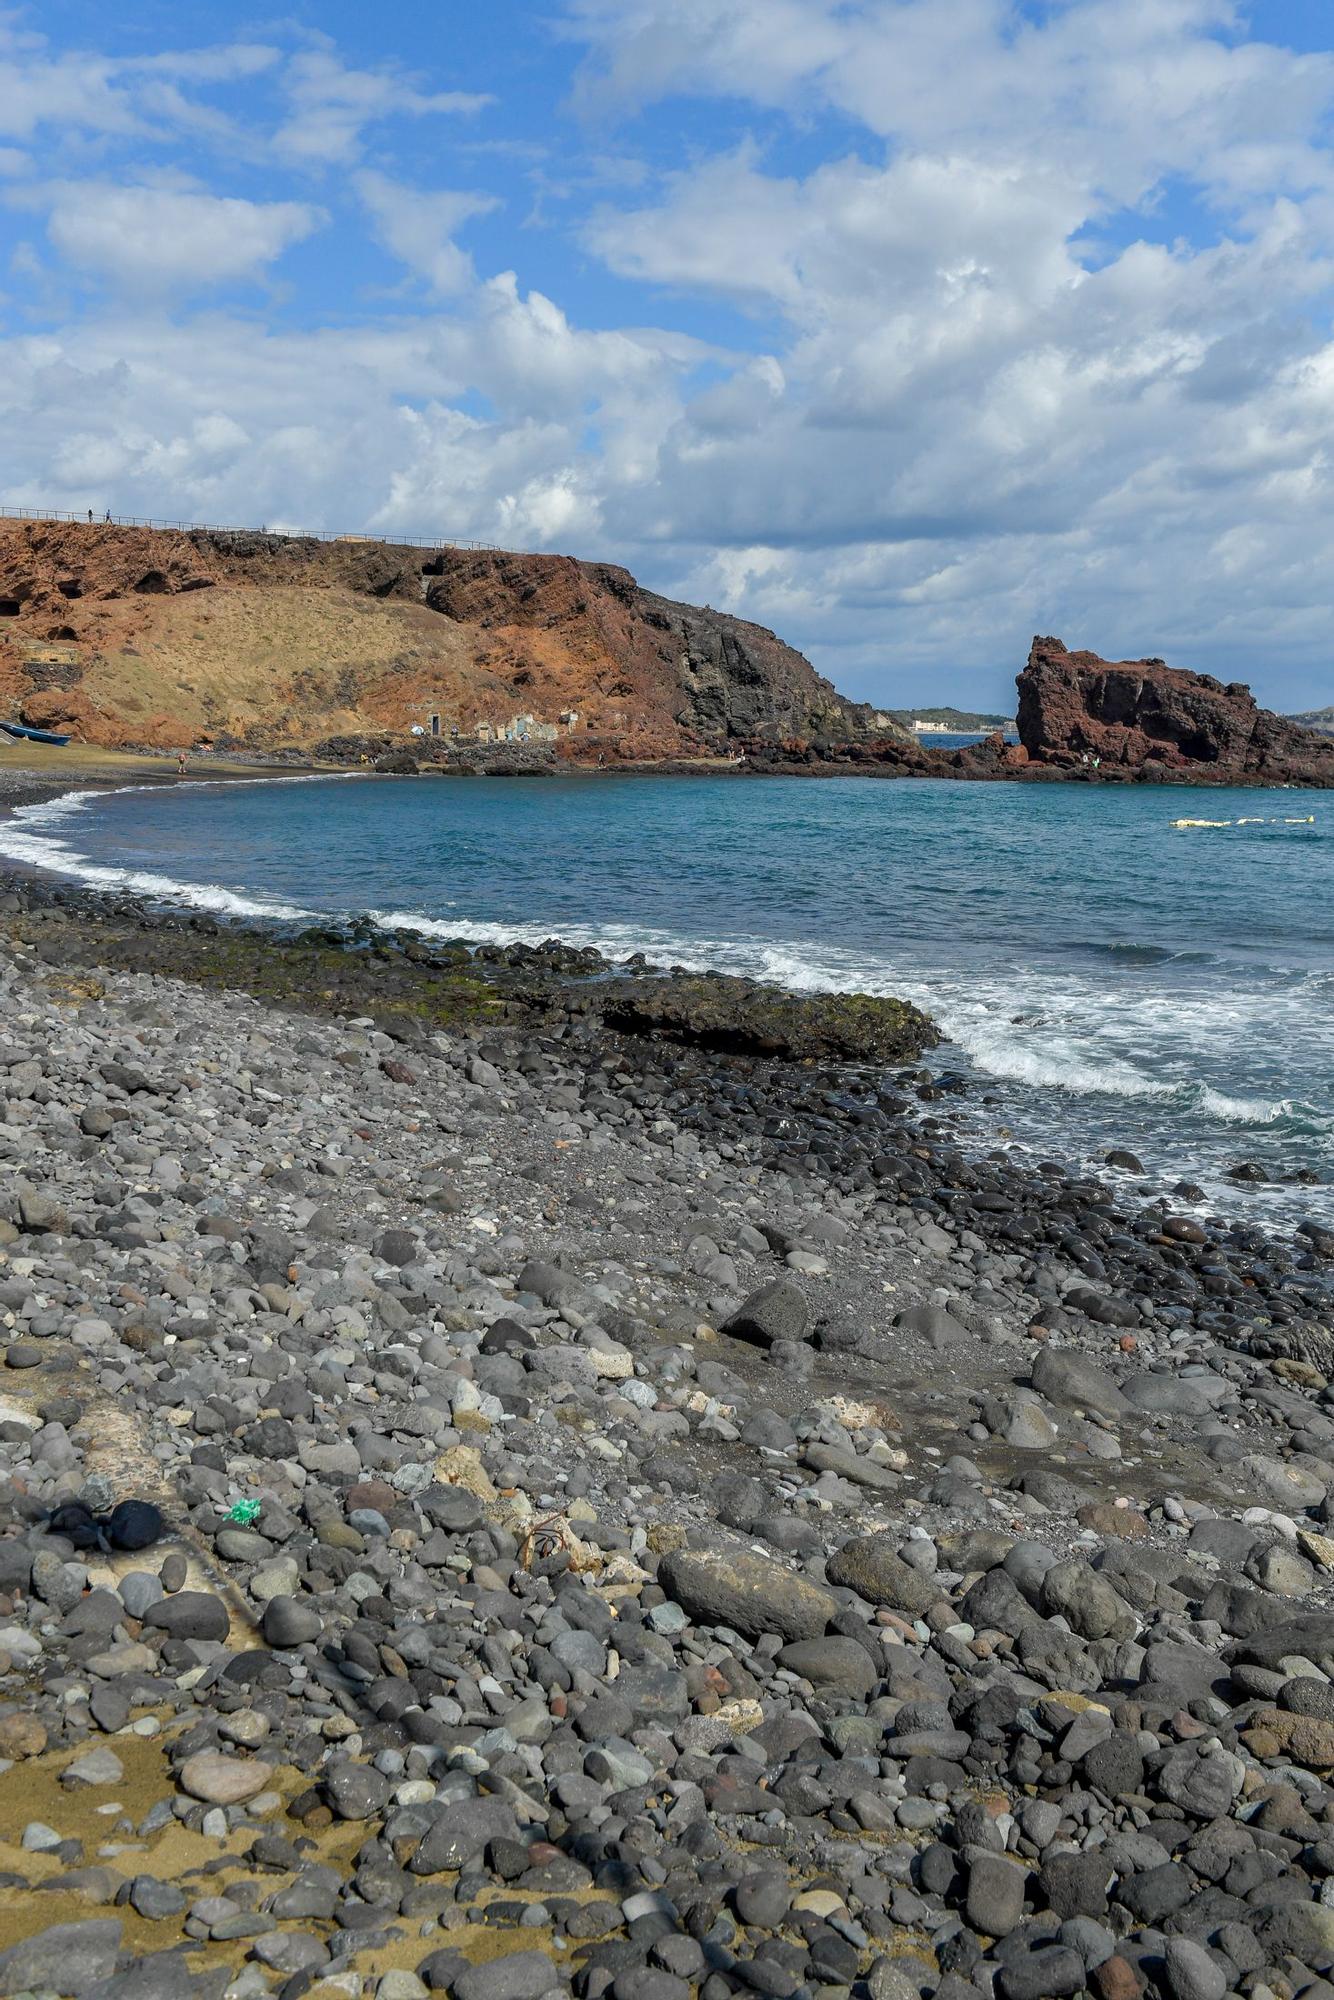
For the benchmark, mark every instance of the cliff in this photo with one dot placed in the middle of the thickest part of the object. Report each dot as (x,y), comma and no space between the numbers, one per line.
(1146,717)
(131,636)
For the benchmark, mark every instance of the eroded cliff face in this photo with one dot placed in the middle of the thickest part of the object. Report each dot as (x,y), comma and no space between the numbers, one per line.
(1074,706)
(702,672)
(137,636)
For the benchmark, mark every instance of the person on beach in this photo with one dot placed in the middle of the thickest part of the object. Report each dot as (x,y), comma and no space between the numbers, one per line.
(182,762)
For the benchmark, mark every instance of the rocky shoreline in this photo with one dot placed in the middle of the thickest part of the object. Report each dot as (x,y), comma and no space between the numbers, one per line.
(647,1511)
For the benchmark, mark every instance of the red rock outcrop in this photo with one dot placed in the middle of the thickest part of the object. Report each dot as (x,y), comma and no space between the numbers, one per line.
(1143,715)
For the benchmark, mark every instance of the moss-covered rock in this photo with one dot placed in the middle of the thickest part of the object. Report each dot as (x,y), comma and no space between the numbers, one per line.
(748,1017)
(410,984)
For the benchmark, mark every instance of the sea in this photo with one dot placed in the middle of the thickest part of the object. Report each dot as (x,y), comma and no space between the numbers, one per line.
(1142,967)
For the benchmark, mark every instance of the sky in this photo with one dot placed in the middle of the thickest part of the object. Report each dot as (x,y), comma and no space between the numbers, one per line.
(907,328)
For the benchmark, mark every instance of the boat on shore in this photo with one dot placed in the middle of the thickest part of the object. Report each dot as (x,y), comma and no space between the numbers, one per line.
(27,735)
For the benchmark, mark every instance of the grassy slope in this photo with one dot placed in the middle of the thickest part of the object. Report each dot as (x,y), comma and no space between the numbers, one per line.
(304,662)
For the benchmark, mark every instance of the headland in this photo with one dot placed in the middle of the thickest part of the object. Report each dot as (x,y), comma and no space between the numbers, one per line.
(363,654)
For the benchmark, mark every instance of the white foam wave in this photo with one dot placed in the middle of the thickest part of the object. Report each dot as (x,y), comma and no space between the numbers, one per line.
(1247,1110)
(30,837)
(1077,1040)
(1076,1057)
(1051,1066)
(1083,1065)
(786,965)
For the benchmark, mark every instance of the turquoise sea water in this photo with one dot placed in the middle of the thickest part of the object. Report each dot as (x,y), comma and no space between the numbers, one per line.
(1112,979)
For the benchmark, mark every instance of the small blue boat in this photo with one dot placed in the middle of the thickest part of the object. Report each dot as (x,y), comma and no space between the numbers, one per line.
(33,735)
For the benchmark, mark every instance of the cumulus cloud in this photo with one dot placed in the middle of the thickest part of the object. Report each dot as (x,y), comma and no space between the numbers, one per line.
(151,239)
(1116,92)
(1000,395)
(354,427)
(1003,317)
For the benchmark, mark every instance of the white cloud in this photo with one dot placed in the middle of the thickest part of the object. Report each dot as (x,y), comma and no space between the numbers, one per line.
(419,228)
(157,239)
(750,48)
(982,387)
(331,104)
(344,429)
(991,404)
(1112,92)
(79,92)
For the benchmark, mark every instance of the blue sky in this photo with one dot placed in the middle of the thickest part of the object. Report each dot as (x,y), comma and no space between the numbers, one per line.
(906,329)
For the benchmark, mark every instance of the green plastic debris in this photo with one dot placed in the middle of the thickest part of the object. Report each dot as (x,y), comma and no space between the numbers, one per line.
(245,1512)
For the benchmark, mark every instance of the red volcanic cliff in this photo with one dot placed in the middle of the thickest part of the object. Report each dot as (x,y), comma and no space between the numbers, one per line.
(129,636)
(1074,707)
(135,636)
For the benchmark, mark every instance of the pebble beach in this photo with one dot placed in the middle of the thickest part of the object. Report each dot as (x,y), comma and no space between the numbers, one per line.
(635,1519)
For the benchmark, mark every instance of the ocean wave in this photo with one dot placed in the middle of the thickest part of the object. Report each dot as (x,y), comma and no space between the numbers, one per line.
(995,1027)
(1057,1066)
(29,837)
(1126,952)
(1013,1024)
(786,965)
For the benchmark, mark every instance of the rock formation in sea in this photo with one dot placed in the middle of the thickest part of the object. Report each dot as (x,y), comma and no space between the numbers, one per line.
(1075,706)
(134,636)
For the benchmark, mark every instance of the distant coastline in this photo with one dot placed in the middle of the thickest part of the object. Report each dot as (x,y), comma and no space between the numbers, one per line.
(948,721)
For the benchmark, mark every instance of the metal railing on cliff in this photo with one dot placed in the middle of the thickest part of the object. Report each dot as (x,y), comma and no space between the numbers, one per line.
(96,520)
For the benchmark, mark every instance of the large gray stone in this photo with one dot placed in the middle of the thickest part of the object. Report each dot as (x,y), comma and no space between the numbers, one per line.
(870,1565)
(1087,1602)
(1072,1379)
(1294,1487)
(750,1594)
(1176,1395)
(67,1959)
(777,1311)
(995,1896)
(290,1621)
(190,1614)
(355,1791)
(1310,1638)
(523,1975)
(858,1471)
(832,1666)
(1202,1780)
(463,1829)
(934,1323)
(1192,1972)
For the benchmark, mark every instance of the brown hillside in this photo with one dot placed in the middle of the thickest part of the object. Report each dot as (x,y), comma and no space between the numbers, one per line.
(146,636)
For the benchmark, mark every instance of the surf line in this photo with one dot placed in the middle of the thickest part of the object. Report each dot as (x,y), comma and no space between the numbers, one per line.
(1309,820)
